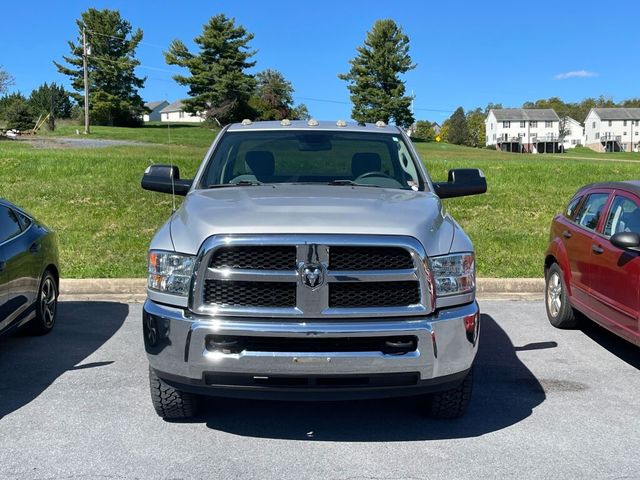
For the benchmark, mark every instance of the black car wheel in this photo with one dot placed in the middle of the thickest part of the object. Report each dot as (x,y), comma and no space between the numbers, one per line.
(46,306)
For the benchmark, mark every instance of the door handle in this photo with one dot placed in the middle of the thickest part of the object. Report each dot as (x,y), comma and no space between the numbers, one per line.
(35,247)
(566,234)
(597,249)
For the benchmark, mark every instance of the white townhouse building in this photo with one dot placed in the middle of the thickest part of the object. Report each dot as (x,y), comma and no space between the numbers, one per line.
(574,133)
(175,113)
(613,129)
(530,130)
(154,110)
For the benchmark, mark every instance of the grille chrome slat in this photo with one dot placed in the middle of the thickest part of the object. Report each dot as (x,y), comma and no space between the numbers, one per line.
(229,274)
(372,275)
(380,284)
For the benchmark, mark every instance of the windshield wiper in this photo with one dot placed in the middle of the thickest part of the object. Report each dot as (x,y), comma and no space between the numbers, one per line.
(242,183)
(351,183)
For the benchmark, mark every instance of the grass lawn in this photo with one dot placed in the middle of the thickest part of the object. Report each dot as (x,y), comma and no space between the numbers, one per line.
(92,197)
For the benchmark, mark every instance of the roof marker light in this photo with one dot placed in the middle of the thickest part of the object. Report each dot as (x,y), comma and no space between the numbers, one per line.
(341,123)
(312,122)
(246,121)
(380,124)
(285,122)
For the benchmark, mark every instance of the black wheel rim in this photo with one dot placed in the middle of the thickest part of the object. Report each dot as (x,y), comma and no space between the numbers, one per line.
(48,301)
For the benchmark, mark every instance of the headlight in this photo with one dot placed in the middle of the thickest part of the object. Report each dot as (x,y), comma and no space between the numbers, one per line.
(454,274)
(170,272)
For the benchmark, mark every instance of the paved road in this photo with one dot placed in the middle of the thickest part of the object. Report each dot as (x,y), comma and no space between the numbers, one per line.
(547,404)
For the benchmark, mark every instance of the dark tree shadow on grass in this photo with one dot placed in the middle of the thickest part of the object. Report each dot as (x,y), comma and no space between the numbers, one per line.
(505,392)
(28,365)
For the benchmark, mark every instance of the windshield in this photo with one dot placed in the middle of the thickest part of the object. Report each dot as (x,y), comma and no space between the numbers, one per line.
(324,157)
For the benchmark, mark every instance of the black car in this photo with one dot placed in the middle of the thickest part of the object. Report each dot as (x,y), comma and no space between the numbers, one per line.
(29,274)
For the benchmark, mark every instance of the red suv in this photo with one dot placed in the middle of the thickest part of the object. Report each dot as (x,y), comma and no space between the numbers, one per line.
(592,264)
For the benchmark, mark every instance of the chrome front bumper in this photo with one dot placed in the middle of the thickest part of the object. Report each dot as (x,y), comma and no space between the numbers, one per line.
(176,346)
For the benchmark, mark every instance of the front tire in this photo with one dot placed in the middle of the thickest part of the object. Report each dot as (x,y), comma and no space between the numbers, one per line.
(559,310)
(46,306)
(169,402)
(451,403)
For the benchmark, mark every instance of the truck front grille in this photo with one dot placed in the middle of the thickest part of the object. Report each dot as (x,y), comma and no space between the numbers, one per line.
(250,294)
(369,258)
(312,276)
(255,257)
(387,294)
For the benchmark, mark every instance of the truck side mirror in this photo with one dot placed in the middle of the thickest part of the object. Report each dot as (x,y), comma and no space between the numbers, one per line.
(626,240)
(165,179)
(462,182)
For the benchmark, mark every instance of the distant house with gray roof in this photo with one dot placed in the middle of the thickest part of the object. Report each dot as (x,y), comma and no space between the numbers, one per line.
(523,130)
(613,129)
(154,110)
(174,113)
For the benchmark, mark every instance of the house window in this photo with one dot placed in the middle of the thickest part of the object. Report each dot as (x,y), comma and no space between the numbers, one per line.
(533,124)
(597,135)
(624,123)
(506,124)
(636,133)
(521,135)
(636,123)
(492,126)
(522,124)
(548,124)
(568,133)
(574,142)
(181,115)
(624,133)
(610,122)
(593,125)
(494,137)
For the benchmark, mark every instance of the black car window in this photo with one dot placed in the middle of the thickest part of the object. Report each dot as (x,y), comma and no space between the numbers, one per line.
(624,216)
(9,224)
(591,210)
(24,220)
(571,208)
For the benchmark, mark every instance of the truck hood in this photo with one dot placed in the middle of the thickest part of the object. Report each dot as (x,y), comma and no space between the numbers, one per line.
(311,209)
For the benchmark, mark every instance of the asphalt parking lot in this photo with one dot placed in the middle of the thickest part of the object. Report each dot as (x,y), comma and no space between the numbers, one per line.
(547,404)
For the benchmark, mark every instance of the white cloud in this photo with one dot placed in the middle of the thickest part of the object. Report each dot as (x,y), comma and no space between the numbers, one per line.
(576,73)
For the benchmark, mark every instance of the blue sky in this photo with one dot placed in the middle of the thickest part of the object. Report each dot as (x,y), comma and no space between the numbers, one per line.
(468,53)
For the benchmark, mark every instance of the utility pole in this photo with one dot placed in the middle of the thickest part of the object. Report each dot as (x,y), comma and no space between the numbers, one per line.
(86,82)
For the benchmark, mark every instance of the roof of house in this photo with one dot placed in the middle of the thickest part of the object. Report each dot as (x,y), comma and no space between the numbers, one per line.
(618,113)
(153,105)
(569,119)
(522,114)
(176,106)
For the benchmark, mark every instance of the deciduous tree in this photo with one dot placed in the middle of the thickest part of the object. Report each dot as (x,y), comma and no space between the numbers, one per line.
(219,87)
(6,80)
(377,92)
(113,83)
(424,131)
(273,98)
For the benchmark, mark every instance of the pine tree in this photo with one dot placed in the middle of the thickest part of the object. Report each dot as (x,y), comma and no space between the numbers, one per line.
(113,84)
(377,93)
(19,116)
(50,99)
(219,88)
(458,133)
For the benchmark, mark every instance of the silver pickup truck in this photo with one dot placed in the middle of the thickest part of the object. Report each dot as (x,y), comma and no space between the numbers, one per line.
(311,260)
